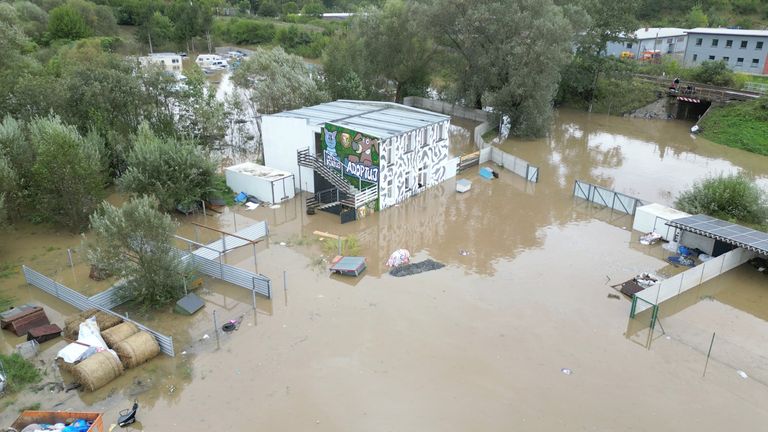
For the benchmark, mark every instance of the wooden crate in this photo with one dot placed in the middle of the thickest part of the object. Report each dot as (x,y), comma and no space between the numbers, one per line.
(21,324)
(44,333)
(52,417)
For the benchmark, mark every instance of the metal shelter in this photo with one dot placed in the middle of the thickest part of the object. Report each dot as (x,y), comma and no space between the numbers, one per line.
(727,232)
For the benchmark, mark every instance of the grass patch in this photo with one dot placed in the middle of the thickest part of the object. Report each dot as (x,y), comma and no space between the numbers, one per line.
(490,135)
(31,407)
(350,246)
(742,125)
(20,372)
(7,270)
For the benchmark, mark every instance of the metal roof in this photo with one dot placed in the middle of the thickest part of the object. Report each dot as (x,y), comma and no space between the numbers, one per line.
(727,31)
(728,232)
(380,119)
(658,32)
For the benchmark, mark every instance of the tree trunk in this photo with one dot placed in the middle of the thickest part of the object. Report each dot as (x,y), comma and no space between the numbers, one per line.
(399,92)
(149,36)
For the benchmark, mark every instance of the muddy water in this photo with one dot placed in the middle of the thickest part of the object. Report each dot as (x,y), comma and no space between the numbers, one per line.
(478,345)
(461,133)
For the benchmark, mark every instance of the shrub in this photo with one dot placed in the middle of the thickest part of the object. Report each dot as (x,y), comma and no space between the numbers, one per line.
(713,72)
(734,197)
(20,372)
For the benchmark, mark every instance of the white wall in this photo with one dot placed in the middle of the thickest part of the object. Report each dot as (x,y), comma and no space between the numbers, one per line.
(283,137)
(400,166)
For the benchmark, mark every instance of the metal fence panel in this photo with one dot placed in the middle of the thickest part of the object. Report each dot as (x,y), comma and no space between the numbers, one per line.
(108,298)
(606,197)
(234,275)
(82,303)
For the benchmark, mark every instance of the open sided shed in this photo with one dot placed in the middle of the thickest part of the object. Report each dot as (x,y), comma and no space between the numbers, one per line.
(715,236)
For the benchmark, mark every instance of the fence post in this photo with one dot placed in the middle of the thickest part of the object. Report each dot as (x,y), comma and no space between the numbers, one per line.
(215,327)
(221,266)
(253,293)
(712,342)
(234,219)
(69,255)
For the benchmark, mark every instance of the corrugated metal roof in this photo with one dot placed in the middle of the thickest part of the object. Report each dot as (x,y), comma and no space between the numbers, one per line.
(658,32)
(728,232)
(726,31)
(379,119)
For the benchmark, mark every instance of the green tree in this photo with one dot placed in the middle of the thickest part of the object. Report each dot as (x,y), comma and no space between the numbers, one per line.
(65,22)
(157,30)
(274,81)
(134,243)
(734,197)
(68,175)
(175,171)
(268,8)
(389,46)
(313,9)
(506,54)
(290,8)
(7,186)
(696,17)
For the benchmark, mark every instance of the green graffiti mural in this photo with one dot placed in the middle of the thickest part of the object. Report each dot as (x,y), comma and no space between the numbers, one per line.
(354,154)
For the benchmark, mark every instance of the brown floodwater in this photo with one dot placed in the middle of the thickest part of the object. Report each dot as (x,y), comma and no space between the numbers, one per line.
(477,345)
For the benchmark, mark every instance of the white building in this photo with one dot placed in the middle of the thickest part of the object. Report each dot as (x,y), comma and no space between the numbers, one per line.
(359,155)
(644,43)
(169,61)
(742,50)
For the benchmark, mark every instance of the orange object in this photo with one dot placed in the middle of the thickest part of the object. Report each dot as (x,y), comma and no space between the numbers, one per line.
(52,417)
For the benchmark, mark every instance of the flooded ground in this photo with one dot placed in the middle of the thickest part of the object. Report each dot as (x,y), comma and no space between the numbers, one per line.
(462,140)
(478,345)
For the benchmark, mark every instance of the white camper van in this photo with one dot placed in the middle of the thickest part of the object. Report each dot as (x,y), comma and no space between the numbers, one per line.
(211,61)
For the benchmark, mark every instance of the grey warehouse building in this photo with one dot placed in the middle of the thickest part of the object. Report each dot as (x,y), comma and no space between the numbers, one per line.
(742,50)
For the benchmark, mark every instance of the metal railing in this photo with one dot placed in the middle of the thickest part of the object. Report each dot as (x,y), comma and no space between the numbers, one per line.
(307,160)
(82,303)
(518,166)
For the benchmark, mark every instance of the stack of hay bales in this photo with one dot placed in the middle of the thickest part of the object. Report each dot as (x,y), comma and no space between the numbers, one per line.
(97,370)
(137,349)
(103,319)
(115,335)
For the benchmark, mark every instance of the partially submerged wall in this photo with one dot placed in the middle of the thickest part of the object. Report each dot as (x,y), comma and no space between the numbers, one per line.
(484,117)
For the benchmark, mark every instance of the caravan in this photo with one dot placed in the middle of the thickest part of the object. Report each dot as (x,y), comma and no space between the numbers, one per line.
(211,61)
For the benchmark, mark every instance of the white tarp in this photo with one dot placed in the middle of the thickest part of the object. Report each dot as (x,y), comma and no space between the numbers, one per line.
(89,342)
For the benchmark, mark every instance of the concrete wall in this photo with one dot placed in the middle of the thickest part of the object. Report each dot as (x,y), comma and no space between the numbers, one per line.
(699,49)
(484,117)
(283,137)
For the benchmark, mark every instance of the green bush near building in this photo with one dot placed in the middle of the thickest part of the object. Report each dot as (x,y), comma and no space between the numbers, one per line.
(735,197)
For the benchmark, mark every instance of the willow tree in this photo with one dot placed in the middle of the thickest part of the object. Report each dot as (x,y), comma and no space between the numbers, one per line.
(271,81)
(135,243)
(504,54)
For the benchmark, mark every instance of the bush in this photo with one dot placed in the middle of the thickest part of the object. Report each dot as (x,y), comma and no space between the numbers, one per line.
(175,172)
(20,372)
(713,72)
(735,197)
(268,8)
(250,32)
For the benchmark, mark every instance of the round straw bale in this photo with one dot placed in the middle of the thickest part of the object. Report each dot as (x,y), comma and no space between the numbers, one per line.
(104,320)
(97,370)
(137,349)
(115,335)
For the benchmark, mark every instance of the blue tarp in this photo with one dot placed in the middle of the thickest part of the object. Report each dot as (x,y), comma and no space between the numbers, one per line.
(241,197)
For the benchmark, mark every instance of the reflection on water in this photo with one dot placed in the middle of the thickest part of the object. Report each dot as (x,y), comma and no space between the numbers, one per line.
(652,160)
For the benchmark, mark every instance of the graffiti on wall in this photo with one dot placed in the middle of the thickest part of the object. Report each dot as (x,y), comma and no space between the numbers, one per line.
(418,161)
(354,154)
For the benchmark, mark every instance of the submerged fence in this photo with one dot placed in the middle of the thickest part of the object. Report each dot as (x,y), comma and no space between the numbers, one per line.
(234,275)
(606,197)
(515,164)
(82,302)
(652,296)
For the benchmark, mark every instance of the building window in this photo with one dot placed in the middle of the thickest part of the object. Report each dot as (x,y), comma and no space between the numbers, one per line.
(695,57)
(755,62)
(743,45)
(711,57)
(715,42)
(758,45)
(389,152)
(443,131)
(739,61)
(629,44)
(726,59)
(409,144)
(680,38)
(728,43)
(670,40)
(698,41)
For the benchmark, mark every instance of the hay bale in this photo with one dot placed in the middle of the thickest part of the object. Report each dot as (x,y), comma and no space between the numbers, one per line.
(119,333)
(97,370)
(103,319)
(137,349)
